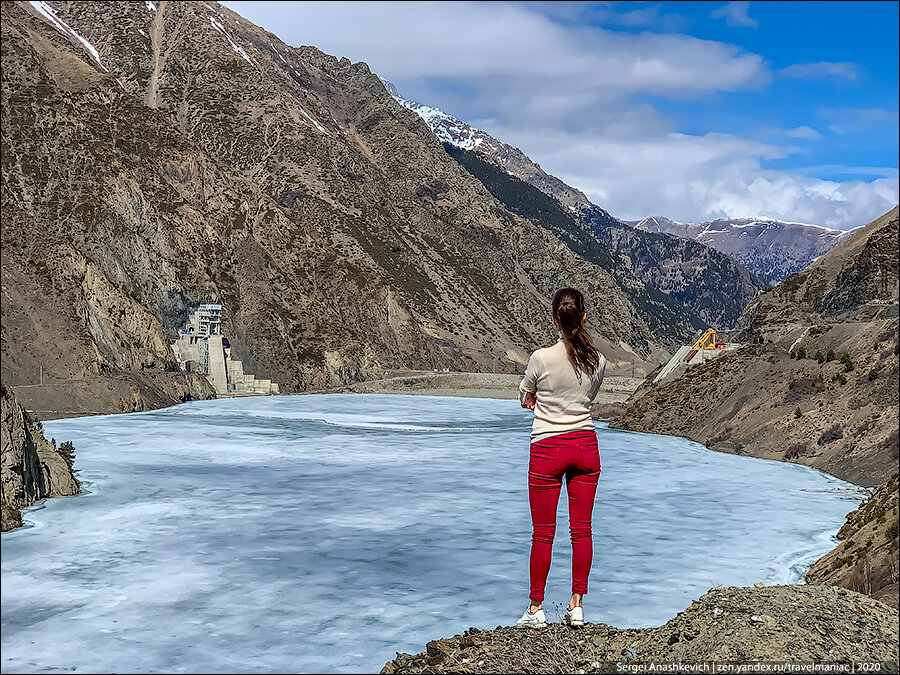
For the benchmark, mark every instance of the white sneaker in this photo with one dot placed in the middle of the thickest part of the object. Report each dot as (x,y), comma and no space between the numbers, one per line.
(529,620)
(574,616)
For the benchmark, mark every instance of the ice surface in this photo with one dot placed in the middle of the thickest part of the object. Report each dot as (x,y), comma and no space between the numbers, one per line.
(242,535)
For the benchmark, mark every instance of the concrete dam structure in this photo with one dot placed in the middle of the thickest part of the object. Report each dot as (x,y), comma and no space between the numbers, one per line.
(201,348)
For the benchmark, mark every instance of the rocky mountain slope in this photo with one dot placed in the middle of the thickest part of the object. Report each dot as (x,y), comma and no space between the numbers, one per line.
(771,249)
(694,279)
(457,133)
(714,286)
(665,316)
(816,381)
(867,559)
(32,467)
(159,154)
(732,625)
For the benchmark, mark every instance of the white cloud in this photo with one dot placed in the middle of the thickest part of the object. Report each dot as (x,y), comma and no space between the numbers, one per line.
(693,178)
(471,40)
(845,121)
(735,14)
(626,14)
(570,97)
(803,132)
(823,69)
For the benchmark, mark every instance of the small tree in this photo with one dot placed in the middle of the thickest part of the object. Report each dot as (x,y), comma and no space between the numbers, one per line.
(820,357)
(847,361)
(66,450)
(830,355)
(873,375)
(798,413)
(801,353)
(32,422)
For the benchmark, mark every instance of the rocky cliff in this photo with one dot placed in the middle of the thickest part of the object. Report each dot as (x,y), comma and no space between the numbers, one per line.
(32,467)
(867,558)
(772,249)
(816,381)
(159,154)
(732,625)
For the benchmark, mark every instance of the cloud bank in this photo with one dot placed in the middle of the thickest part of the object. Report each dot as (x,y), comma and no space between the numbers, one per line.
(582,100)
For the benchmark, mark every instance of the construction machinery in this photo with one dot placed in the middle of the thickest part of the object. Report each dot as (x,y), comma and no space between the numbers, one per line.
(706,341)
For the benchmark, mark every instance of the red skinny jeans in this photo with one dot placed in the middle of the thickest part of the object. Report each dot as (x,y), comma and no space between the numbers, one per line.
(574,455)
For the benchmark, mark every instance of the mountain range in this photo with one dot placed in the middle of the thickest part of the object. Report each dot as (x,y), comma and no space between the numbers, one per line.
(772,249)
(159,155)
(712,286)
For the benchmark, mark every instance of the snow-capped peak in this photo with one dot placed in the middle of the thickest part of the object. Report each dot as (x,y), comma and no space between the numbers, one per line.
(446,127)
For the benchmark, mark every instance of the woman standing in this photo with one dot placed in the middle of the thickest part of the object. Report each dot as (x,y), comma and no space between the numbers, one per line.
(559,385)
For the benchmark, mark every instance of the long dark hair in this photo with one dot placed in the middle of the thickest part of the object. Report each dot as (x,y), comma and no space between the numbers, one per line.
(568,311)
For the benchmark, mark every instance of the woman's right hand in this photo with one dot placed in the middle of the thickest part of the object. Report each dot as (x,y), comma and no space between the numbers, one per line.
(529,400)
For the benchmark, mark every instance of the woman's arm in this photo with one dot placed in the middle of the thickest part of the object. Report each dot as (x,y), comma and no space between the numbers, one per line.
(528,386)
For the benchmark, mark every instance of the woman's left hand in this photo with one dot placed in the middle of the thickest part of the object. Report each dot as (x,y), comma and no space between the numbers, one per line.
(529,400)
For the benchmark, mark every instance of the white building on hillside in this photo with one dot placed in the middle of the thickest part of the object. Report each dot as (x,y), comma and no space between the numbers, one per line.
(201,348)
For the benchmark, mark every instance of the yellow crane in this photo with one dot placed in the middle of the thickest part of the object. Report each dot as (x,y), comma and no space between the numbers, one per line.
(706,341)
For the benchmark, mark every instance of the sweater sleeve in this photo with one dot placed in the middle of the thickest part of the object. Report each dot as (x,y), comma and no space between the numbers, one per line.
(532,371)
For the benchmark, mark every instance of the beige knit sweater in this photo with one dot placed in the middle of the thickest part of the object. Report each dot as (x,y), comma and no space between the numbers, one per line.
(563,398)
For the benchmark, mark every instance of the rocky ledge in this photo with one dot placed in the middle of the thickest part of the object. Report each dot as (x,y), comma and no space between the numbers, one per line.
(794,623)
(32,467)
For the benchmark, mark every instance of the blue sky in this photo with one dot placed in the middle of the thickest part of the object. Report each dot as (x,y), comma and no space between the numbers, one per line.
(691,110)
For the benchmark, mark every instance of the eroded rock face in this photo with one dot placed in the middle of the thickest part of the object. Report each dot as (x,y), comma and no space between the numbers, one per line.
(867,558)
(32,468)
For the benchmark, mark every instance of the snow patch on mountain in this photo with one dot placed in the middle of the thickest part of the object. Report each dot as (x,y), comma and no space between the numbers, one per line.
(316,124)
(453,131)
(237,48)
(49,14)
(447,128)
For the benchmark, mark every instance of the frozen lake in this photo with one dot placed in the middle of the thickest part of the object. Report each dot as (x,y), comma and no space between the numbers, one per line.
(324,533)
